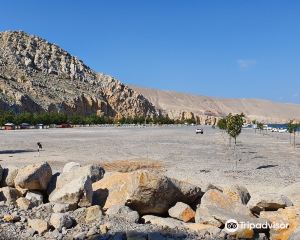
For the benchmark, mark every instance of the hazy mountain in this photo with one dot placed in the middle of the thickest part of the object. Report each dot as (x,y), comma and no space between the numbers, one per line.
(178,105)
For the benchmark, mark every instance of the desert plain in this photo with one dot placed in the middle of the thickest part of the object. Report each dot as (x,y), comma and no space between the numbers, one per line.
(263,162)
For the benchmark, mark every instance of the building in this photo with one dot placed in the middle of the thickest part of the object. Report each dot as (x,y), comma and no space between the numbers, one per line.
(9,126)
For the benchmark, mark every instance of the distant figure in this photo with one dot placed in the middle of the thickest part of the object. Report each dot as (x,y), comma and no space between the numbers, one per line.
(40,147)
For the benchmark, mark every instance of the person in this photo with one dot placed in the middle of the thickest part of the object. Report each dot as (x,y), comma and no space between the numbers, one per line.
(40,147)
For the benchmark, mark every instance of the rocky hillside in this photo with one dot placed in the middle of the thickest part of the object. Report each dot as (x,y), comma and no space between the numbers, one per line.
(38,76)
(208,109)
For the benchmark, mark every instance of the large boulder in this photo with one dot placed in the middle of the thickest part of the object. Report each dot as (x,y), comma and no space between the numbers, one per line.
(216,208)
(9,195)
(287,221)
(292,192)
(34,177)
(74,187)
(268,202)
(8,177)
(143,191)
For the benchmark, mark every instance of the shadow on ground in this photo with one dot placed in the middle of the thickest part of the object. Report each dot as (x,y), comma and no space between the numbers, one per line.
(17,151)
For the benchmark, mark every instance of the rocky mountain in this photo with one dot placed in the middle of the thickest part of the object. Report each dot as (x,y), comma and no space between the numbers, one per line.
(207,110)
(38,76)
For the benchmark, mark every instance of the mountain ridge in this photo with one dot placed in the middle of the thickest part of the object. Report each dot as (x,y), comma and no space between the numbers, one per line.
(177,104)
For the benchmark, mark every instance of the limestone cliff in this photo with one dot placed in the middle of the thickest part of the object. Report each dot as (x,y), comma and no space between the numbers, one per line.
(38,76)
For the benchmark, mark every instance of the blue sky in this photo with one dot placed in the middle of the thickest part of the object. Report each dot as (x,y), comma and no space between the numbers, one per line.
(234,48)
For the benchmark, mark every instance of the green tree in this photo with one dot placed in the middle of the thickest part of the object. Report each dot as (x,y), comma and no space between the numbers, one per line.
(292,129)
(222,124)
(260,126)
(234,125)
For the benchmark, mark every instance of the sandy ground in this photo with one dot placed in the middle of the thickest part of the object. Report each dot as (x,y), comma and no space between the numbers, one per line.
(260,162)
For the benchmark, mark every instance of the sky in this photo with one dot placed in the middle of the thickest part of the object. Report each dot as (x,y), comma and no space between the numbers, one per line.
(231,49)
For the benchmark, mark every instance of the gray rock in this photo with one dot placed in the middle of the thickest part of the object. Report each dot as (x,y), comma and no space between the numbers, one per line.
(60,220)
(163,222)
(124,212)
(36,198)
(268,202)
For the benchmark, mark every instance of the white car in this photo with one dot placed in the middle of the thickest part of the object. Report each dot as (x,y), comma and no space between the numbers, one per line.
(199,130)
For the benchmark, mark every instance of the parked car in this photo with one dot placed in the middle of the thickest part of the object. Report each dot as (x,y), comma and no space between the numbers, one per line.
(199,130)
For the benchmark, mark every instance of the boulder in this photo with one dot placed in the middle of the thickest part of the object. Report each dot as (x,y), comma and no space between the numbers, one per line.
(292,192)
(36,198)
(8,177)
(268,202)
(123,212)
(163,222)
(216,208)
(39,225)
(23,203)
(34,177)
(71,166)
(183,212)
(237,193)
(288,220)
(93,213)
(73,188)
(143,191)
(9,195)
(63,207)
(61,220)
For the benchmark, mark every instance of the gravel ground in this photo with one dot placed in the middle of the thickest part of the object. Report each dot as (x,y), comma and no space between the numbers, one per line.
(260,162)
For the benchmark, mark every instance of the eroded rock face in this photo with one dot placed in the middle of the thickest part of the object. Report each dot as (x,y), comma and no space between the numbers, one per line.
(34,177)
(29,63)
(143,191)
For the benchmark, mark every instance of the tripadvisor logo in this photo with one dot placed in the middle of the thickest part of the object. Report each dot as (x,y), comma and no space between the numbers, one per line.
(231,226)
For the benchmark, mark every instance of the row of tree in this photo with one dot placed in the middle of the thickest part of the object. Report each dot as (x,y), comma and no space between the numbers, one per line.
(292,129)
(48,118)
